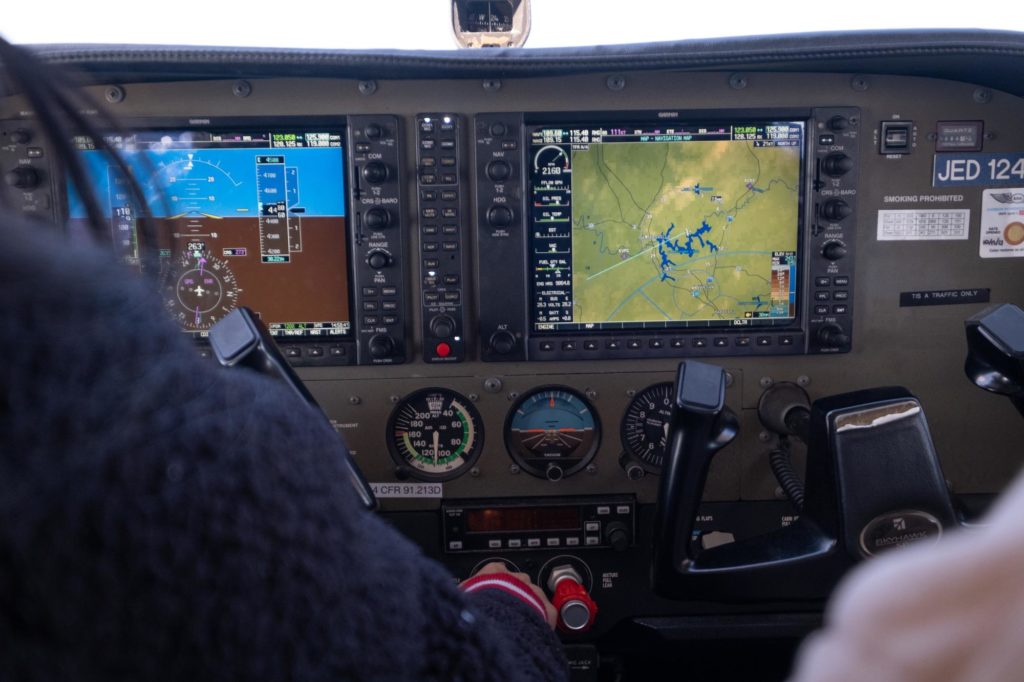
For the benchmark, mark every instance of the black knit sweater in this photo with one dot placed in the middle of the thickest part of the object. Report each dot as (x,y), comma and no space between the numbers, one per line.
(163,519)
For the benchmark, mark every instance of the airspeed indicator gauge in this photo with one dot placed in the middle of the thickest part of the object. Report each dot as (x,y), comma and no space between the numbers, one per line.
(435,434)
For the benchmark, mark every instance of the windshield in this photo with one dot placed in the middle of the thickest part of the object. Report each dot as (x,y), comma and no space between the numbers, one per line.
(426,24)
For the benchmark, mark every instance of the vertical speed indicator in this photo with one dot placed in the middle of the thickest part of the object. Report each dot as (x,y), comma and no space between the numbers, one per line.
(435,434)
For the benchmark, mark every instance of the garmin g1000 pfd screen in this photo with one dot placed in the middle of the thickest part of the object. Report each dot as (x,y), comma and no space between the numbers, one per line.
(664,226)
(252,219)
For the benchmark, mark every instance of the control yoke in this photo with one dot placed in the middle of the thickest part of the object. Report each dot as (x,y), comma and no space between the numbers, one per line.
(873,482)
(995,352)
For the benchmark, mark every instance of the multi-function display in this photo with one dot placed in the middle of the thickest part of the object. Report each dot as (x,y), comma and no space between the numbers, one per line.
(251,219)
(666,226)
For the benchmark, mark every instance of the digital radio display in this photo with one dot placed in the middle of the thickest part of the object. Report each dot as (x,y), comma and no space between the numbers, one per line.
(252,219)
(522,519)
(664,226)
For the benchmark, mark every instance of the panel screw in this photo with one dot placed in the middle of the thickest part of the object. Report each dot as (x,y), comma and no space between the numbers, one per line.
(803,380)
(592,394)
(114,94)
(394,399)
(989,135)
(737,81)
(474,472)
(616,83)
(354,400)
(367,87)
(766,382)
(513,468)
(492,384)
(473,397)
(242,88)
(512,395)
(492,85)
(591,469)
(982,95)
(630,392)
(859,83)
(764,436)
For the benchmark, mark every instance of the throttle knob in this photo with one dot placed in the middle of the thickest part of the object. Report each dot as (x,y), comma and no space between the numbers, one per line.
(837,164)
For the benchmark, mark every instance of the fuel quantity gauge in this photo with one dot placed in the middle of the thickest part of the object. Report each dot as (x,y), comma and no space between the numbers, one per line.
(435,434)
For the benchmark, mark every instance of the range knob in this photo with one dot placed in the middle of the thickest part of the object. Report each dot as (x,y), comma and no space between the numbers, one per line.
(382,346)
(499,171)
(835,209)
(838,123)
(21,136)
(373,131)
(442,326)
(378,218)
(22,177)
(837,164)
(502,342)
(375,172)
(833,250)
(833,336)
(378,259)
(617,535)
(499,216)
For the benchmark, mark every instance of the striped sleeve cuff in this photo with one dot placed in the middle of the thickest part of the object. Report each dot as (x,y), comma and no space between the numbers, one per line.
(507,584)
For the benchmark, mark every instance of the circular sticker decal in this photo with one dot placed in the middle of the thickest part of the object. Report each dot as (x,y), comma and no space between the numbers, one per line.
(1014,234)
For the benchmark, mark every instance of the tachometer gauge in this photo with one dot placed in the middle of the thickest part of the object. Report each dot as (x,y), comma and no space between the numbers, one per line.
(200,290)
(435,434)
(552,432)
(645,427)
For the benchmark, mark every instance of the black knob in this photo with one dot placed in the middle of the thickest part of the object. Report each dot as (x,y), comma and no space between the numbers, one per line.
(833,336)
(499,216)
(554,472)
(22,177)
(617,535)
(835,209)
(375,172)
(373,131)
(833,250)
(838,123)
(837,164)
(378,218)
(499,171)
(442,326)
(634,471)
(498,129)
(21,136)
(502,342)
(382,346)
(378,259)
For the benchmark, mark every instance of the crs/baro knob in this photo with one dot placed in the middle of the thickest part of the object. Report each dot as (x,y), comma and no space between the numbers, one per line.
(377,218)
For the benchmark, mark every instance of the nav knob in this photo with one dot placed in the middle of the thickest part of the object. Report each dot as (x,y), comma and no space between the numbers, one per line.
(499,216)
(576,610)
(378,259)
(833,336)
(381,346)
(499,171)
(502,342)
(837,164)
(22,177)
(835,209)
(616,534)
(377,218)
(375,172)
(442,326)
(833,250)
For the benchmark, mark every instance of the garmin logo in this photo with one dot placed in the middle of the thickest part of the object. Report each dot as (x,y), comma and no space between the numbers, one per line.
(668,114)
(199,121)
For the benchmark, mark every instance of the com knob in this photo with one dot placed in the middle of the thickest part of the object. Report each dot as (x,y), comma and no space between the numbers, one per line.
(442,326)
(833,336)
(22,177)
(835,209)
(833,250)
(378,259)
(499,171)
(375,172)
(499,216)
(381,346)
(502,342)
(836,164)
(378,218)
(616,534)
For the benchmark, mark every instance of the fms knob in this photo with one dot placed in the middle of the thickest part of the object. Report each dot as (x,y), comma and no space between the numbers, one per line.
(833,250)
(442,326)
(836,164)
(378,259)
(22,177)
(378,218)
(833,336)
(375,172)
(381,346)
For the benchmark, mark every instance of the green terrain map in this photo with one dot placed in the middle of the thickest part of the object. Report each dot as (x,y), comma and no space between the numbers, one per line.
(664,231)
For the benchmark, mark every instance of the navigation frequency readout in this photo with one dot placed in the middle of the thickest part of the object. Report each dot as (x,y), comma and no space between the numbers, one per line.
(664,226)
(251,219)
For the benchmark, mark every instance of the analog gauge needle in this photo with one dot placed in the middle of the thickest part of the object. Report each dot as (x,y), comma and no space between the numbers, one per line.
(437,444)
(198,317)
(664,435)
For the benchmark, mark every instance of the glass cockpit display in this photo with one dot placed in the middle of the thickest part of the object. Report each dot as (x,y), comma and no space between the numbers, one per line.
(252,219)
(637,227)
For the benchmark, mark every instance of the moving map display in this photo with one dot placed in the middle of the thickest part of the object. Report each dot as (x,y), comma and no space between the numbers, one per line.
(653,227)
(252,219)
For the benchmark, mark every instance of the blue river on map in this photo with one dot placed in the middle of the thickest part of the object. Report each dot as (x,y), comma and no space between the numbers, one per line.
(220,182)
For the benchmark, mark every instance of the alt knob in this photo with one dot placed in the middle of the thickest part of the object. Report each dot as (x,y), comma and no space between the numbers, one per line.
(382,346)
(835,209)
(499,171)
(833,336)
(375,172)
(499,216)
(22,177)
(502,342)
(833,250)
(442,326)
(836,164)
(617,535)
(378,218)
(378,259)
